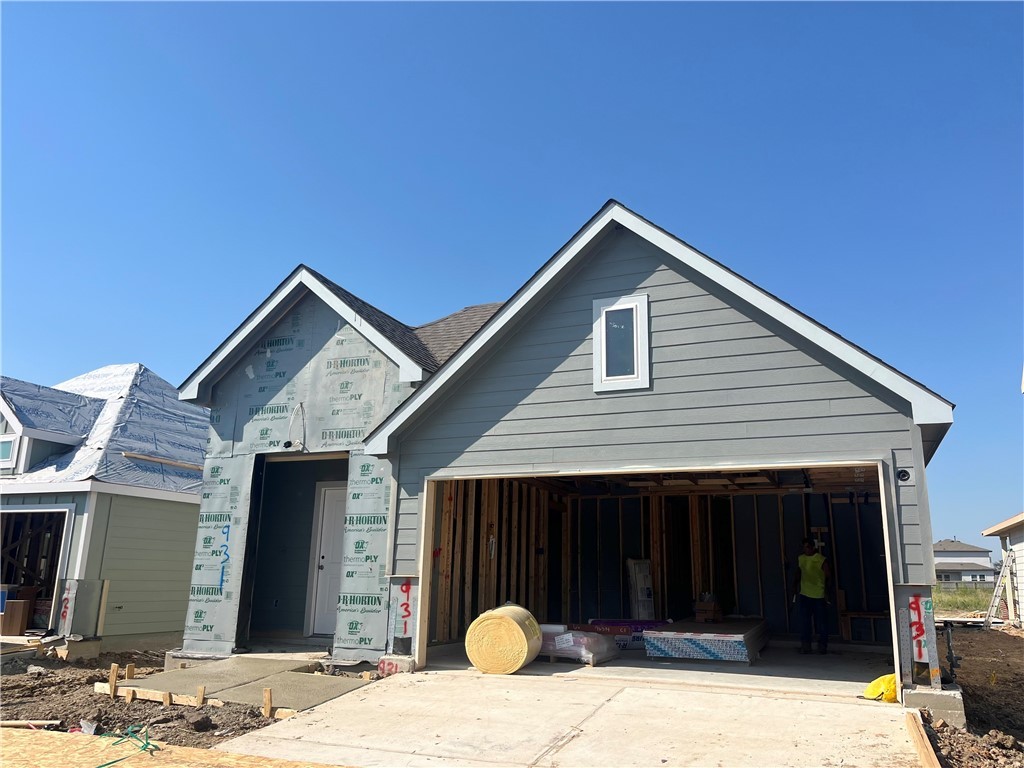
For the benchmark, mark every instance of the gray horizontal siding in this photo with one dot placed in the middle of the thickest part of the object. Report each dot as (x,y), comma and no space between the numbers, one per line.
(727,386)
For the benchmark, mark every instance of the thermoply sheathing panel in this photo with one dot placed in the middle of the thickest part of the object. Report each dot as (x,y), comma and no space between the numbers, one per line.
(312,384)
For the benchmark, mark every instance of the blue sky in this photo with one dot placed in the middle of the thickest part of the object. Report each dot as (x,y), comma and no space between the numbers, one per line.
(166,165)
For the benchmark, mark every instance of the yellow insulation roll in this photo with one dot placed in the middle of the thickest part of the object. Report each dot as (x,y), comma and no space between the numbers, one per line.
(504,640)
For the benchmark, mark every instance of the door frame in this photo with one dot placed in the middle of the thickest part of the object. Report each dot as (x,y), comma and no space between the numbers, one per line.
(314,549)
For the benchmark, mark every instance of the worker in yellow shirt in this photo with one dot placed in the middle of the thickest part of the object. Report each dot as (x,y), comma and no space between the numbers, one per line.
(810,590)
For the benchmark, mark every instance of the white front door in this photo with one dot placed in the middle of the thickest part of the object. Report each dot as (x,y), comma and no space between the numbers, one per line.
(328,554)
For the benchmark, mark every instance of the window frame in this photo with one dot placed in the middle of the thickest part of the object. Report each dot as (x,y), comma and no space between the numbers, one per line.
(12,461)
(641,379)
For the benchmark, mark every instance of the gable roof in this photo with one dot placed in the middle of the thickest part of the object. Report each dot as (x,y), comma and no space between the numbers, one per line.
(418,352)
(947,565)
(47,413)
(928,408)
(141,435)
(952,545)
(1003,528)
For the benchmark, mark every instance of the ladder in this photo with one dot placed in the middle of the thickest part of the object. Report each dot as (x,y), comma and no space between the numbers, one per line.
(1007,578)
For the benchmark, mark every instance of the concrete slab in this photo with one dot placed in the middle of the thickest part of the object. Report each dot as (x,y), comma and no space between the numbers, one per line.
(456,719)
(295,690)
(218,675)
(780,670)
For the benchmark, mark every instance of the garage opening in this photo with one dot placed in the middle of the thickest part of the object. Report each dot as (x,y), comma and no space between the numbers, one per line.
(296,522)
(32,547)
(656,547)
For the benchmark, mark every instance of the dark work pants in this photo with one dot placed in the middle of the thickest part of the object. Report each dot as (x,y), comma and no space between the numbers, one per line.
(813,609)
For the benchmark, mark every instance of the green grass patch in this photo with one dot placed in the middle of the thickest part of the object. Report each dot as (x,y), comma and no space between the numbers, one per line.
(960,599)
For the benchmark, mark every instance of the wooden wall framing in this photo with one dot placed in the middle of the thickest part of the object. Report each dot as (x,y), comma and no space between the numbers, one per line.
(563,557)
(491,547)
(31,549)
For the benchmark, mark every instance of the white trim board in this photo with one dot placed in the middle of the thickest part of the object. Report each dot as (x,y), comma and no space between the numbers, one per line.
(286,295)
(927,407)
(98,486)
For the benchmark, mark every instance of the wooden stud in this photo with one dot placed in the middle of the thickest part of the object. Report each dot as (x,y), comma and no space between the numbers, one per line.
(112,680)
(515,555)
(710,531)
(503,592)
(696,558)
(444,582)
(459,566)
(268,701)
(757,552)
(566,560)
(524,551)
(483,549)
(860,558)
(735,570)
(782,553)
(200,696)
(545,511)
(493,501)
(467,594)
(622,567)
(129,671)
(579,559)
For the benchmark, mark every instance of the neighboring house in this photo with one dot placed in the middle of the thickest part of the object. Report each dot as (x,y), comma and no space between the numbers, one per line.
(958,561)
(1011,539)
(635,400)
(100,502)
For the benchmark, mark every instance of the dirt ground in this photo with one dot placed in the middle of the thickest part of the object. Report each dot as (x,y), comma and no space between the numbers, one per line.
(991,675)
(64,691)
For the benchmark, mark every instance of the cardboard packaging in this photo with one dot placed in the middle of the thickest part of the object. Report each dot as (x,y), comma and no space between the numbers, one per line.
(14,619)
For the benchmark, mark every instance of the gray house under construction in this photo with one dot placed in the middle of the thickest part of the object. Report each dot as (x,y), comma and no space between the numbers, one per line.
(635,400)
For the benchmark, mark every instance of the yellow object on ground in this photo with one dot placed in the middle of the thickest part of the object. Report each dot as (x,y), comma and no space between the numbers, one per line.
(504,640)
(882,689)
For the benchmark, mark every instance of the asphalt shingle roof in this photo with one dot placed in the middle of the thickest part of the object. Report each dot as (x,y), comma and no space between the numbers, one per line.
(952,545)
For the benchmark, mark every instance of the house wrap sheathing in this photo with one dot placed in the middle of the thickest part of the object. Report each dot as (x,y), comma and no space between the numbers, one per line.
(306,378)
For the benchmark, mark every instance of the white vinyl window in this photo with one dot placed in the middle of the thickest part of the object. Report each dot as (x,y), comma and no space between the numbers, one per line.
(8,451)
(622,353)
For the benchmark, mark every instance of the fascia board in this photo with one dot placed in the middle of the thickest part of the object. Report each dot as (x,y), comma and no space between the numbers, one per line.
(377,445)
(16,489)
(190,389)
(1003,528)
(408,370)
(927,408)
(85,486)
(52,437)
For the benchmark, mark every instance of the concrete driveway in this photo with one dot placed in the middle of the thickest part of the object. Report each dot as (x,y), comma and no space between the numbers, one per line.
(562,715)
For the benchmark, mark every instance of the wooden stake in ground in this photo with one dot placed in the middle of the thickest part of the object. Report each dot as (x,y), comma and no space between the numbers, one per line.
(112,680)
(129,671)
(268,701)
(200,696)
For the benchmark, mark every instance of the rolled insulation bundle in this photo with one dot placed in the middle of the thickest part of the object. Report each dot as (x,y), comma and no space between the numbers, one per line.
(504,640)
